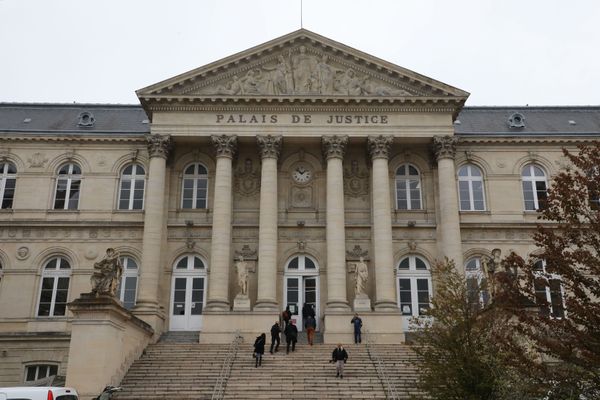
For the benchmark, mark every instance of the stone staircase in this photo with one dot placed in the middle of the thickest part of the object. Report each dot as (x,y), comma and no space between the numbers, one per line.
(186,371)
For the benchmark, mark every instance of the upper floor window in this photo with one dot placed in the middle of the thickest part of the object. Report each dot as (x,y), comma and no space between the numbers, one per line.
(470,188)
(534,187)
(414,286)
(302,263)
(476,282)
(408,188)
(548,291)
(128,285)
(131,190)
(195,185)
(8,181)
(36,372)
(68,185)
(55,288)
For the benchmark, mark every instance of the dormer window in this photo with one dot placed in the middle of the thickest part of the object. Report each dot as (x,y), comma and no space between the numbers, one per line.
(516,121)
(86,119)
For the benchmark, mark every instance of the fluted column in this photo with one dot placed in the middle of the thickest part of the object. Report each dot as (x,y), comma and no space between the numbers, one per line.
(220,249)
(269,148)
(334,148)
(449,223)
(159,147)
(383,252)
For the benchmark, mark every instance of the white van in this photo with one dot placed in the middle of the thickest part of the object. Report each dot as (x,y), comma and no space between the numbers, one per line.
(38,393)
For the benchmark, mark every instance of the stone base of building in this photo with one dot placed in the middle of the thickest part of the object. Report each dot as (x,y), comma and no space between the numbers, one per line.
(221,327)
(379,327)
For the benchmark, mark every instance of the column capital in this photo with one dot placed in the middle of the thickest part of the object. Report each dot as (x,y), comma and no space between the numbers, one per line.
(334,146)
(445,146)
(225,145)
(379,146)
(159,145)
(269,146)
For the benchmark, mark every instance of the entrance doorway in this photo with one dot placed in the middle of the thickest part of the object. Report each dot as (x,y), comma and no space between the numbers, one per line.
(188,294)
(301,285)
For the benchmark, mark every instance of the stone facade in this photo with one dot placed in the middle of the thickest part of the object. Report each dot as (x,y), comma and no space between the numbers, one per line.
(301,156)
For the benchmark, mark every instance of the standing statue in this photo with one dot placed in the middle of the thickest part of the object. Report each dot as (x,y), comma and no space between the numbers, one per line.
(107,274)
(361,276)
(241,268)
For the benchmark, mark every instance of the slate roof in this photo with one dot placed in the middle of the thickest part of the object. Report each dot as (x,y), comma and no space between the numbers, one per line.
(46,118)
(538,121)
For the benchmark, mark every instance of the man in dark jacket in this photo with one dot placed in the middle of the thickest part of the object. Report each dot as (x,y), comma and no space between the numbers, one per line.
(357,323)
(275,331)
(310,324)
(291,336)
(339,357)
(259,349)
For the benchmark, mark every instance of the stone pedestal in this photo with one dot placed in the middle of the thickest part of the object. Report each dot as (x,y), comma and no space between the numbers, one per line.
(362,303)
(221,327)
(116,338)
(241,303)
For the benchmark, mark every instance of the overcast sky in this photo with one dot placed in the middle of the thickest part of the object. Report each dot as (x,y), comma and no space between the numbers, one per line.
(504,52)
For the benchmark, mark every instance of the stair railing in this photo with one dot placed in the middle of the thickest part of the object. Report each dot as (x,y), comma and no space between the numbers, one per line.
(234,346)
(388,385)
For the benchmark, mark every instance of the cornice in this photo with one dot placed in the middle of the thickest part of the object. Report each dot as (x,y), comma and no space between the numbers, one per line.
(73,139)
(528,140)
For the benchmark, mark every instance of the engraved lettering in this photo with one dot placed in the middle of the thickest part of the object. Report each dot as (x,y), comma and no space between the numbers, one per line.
(220,118)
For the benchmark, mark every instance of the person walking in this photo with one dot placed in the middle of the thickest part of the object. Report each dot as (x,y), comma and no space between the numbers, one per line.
(259,349)
(357,322)
(339,357)
(286,315)
(275,331)
(291,336)
(310,325)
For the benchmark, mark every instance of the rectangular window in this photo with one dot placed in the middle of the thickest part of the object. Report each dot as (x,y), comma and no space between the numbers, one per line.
(9,193)
(35,372)
(423,295)
(528,196)
(405,297)
(74,194)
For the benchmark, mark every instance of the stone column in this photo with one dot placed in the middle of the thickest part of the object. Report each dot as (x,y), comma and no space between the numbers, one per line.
(383,252)
(220,249)
(450,244)
(269,148)
(147,304)
(334,148)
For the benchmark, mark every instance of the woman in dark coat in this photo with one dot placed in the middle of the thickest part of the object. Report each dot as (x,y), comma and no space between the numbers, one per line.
(259,348)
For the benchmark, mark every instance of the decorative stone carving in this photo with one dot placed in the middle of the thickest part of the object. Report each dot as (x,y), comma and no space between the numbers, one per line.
(247,253)
(356,253)
(356,182)
(361,276)
(241,267)
(379,146)
(247,180)
(445,146)
(301,197)
(90,254)
(269,146)
(225,145)
(334,146)
(159,145)
(107,274)
(37,160)
(23,253)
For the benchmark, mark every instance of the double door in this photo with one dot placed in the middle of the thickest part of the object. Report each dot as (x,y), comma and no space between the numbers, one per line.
(187,302)
(298,291)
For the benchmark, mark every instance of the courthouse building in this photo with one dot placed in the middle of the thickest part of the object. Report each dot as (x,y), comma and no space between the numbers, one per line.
(264,180)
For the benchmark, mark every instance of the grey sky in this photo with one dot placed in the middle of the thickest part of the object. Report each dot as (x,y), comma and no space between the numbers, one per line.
(509,52)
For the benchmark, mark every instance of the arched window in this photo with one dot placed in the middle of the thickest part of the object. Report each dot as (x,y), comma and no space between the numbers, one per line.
(8,181)
(68,184)
(534,187)
(408,188)
(470,188)
(414,286)
(55,288)
(128,285)
(131,189)
(302,263)
(195,186)
(548,291)
(476,282)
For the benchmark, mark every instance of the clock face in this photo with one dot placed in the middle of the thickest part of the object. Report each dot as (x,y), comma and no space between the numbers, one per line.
(302,174)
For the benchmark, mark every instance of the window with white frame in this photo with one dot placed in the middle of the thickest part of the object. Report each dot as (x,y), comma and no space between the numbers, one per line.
(301,263)
(470,188)
(414,286)
(68,185)
(40,371)
(131,189)
(408,188)
(195,187)
(476,282)
(128,284)
(534,187)
(54,290)
(8,181)
(548,291)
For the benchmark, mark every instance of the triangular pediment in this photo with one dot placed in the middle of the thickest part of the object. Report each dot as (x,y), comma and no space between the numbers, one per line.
(301,65)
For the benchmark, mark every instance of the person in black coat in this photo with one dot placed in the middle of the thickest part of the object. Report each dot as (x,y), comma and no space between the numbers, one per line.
(339,357)
(259,348)
(291,336)
(275,331)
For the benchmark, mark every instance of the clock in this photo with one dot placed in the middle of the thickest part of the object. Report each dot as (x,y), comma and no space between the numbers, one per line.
(302,174)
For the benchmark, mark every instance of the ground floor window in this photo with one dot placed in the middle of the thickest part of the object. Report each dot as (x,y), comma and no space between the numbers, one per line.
(36,372)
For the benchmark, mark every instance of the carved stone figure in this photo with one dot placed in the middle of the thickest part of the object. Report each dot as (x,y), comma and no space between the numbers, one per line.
(304,68)
(361,277)
(241,267)
(279,81)
(107,274)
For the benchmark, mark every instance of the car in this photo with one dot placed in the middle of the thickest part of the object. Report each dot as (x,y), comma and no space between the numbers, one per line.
(38,393)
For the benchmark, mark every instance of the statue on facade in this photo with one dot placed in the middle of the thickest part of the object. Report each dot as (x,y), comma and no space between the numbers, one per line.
(361,277)
(107,274)
(241,268)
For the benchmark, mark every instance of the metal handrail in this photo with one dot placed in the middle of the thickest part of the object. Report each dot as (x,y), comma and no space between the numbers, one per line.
(389,386)
(234,346)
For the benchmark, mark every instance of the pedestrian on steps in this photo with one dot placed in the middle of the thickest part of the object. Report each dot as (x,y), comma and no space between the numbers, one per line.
(286,315)
(291,336)
(310,325)
(259,349)
(357,322)
(275,331)
(339,357)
